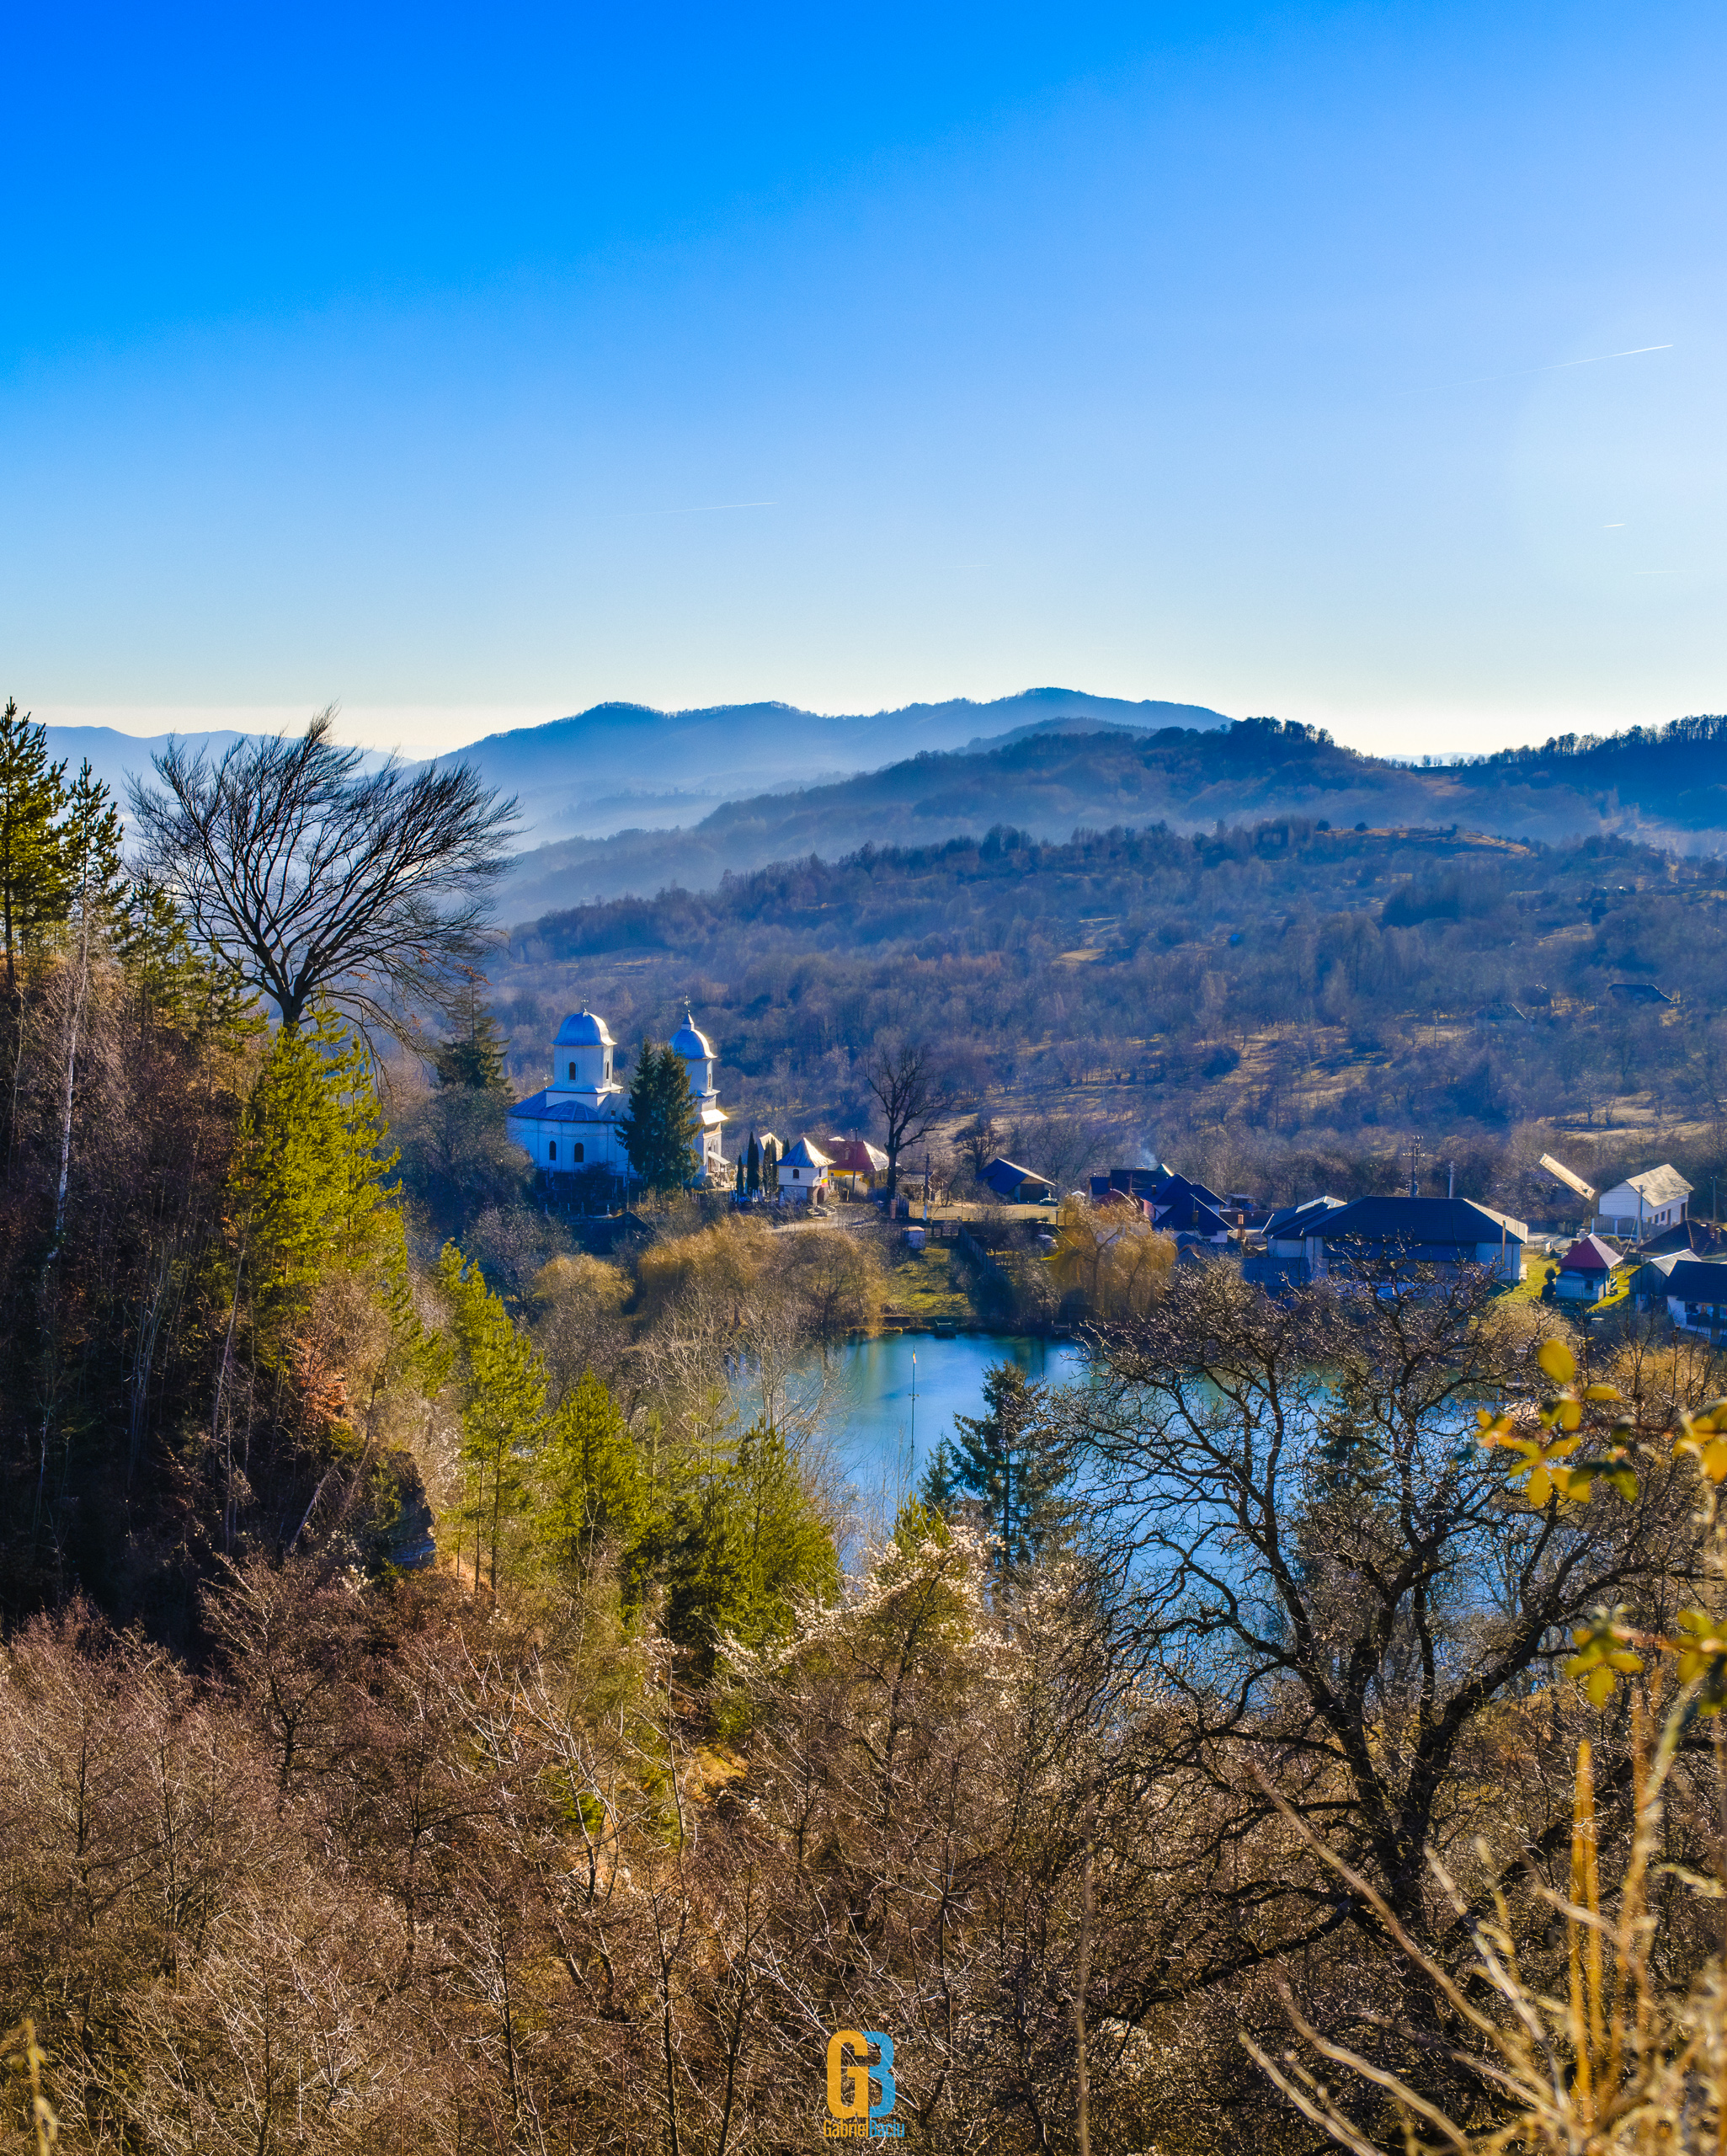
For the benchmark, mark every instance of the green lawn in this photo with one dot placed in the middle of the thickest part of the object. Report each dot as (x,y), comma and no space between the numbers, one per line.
(1536,1272)
(923,1287)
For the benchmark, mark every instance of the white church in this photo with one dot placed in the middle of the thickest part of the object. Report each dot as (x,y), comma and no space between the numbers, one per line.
(572,1125)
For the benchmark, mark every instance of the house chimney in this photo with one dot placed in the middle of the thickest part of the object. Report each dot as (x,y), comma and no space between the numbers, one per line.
(1451,1178)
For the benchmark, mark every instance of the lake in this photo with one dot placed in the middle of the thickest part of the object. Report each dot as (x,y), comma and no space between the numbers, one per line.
(883,1431)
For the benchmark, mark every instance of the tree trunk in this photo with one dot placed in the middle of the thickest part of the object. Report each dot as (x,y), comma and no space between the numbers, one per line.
(1082,1978)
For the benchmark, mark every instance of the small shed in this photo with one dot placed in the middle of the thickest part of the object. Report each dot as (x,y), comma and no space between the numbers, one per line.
(1585,1271)
(804,1173)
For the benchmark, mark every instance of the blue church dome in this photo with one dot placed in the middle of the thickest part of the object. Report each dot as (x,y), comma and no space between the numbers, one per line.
(692,1045)
(582,1029)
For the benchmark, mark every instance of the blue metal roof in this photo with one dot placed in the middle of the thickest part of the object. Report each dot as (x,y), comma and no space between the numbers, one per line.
(540,1108)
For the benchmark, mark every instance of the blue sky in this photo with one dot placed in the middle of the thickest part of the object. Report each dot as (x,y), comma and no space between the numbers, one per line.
(472,366)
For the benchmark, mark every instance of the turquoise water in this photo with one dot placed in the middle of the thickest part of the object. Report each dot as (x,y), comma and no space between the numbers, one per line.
(883,1431)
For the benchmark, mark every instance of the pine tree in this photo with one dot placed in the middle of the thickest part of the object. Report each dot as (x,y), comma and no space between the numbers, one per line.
(178,988)
(752,1180)
(90,839)
(34,893)
(595,1490)
(747,1546)
(290,1183)
(473,1054)
(505,1429)
(785,1552)
(312,1193)
(659,1131)
(1010,1462)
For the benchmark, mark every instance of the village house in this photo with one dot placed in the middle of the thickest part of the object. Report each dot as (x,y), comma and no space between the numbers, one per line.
(856,1160)
(1377,1236)
(1294,1253)
(1016,1186)
(1187,1210)
(1643,1206)
(1696,1296)
(1585,1271)
(804,1174)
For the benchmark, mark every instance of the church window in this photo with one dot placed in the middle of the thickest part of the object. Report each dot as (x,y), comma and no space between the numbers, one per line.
(795,1174)
(572,1070)
(577,1154)
(551,1151)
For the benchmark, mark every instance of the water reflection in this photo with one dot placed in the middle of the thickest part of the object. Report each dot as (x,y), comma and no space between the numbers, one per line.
(897,1398)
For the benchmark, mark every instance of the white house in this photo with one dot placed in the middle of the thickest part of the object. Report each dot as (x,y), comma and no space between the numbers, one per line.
(572,1125)
(804,1173)
(1642,1205)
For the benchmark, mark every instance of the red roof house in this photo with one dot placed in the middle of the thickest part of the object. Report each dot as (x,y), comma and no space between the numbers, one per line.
(1585,1271)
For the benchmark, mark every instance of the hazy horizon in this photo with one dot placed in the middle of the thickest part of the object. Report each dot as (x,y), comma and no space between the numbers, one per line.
(1358,367)
(428,731)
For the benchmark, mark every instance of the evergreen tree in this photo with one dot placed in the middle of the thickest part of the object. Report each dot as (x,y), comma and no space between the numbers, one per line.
(179,988)
(473,1054)
(658,1133)
(505,1429)
(311,1189)
(34,893)
(785,1552)
(90,839)
(747,1546)
(1010,1462)
(595,1490)
(752,1175)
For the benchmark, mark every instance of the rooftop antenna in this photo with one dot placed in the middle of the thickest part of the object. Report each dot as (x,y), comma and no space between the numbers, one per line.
(1414,1167)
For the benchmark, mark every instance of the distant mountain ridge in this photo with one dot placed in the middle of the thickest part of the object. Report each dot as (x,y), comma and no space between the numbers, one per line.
(622,765)
(1666,785)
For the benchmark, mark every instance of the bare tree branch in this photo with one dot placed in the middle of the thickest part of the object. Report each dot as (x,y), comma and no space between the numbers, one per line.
(312,880)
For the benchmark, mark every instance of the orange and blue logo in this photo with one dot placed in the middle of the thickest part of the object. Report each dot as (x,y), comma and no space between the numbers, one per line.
(855,2111)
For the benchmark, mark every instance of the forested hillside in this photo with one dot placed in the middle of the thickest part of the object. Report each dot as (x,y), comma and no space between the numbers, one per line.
(1298,986)
(1654,781)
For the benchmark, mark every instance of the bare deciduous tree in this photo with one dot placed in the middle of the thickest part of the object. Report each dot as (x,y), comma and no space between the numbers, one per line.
(914,1093)
(1323,1564)
(313,879)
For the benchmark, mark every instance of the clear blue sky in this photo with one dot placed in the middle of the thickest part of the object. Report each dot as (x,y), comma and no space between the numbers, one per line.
(418,358)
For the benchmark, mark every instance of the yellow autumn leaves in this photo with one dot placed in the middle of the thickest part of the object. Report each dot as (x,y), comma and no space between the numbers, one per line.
(1606,1652)
(1704,1437)
(1556,1467)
